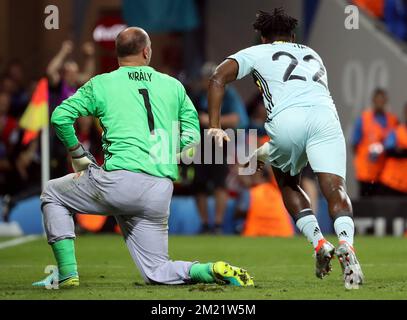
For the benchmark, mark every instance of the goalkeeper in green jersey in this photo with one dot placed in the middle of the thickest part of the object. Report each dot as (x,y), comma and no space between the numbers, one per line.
(139,109)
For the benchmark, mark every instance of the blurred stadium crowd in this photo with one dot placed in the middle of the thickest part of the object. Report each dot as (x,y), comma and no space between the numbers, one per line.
(392,12)
(379,141)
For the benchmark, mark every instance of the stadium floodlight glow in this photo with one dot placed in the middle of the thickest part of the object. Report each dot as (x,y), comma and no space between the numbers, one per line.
(107,33)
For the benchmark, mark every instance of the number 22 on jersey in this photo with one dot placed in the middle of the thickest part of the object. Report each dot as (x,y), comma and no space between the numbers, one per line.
(289,72)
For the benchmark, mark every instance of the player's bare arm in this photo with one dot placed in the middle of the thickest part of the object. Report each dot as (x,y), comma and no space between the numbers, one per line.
(225,73)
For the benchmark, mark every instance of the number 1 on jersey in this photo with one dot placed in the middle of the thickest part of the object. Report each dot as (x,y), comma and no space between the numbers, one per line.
(147,104)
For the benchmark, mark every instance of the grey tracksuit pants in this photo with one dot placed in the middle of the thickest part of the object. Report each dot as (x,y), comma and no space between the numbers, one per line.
(140,204)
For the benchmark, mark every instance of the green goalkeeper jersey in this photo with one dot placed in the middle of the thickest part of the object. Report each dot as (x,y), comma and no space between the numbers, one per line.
(146,116)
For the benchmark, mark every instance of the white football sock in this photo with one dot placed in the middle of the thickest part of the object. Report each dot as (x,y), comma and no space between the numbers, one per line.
(345,229)
(309,227)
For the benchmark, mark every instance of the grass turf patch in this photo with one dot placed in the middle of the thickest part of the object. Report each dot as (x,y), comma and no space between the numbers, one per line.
(283,269)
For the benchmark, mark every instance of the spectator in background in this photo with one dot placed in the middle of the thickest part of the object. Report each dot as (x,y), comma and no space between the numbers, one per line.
(15,71)
(395,17)
(8,124)
(19,96)
(19,163)
(370,131)
(212,177)
(394,175)
(374,8)
(9,136)
(18,99)
(8,86)
(263,207)
(64,79)
(23,179)
(64,75)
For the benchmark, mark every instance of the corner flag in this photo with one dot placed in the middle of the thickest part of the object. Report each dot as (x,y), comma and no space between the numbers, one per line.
(35,117)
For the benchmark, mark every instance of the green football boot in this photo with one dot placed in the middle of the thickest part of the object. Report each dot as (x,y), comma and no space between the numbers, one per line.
(227,274)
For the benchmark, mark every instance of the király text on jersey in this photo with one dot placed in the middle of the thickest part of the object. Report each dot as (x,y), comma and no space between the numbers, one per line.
(139,76)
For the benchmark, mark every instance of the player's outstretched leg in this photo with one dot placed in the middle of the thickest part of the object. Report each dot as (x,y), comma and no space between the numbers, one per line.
(340,208)
(298,205)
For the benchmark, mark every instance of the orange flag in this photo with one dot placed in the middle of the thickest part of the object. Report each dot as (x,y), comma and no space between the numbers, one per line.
(35,117)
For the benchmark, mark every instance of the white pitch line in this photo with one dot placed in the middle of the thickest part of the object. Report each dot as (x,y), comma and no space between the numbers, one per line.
(18,241)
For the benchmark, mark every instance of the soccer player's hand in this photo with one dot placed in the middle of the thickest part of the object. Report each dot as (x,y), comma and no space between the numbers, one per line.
(81,158)
(219,134)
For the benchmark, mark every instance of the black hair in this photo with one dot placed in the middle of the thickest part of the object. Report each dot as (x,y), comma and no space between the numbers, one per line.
(379,92)
(275,24)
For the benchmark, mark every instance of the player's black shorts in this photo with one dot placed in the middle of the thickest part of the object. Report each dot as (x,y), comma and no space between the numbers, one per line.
(209,177)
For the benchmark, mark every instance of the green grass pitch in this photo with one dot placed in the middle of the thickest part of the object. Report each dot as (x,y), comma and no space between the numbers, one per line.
(283,269)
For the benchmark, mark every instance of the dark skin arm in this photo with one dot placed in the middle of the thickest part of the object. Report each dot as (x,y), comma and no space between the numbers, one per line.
(225,73)
(226,121)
